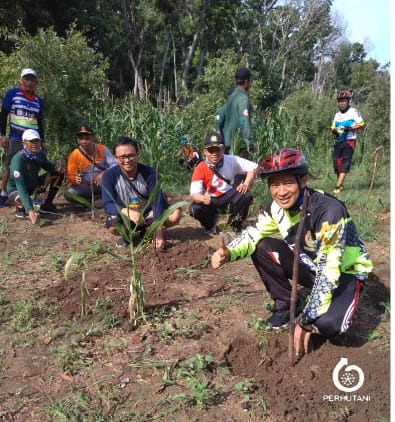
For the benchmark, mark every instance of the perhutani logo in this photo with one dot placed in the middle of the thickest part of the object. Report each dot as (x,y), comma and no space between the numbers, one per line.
(347,378)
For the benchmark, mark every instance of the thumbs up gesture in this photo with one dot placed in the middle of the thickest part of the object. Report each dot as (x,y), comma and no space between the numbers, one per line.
(221,255)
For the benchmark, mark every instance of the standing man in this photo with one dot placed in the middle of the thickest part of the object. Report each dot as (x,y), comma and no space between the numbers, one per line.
(25,179)
(25,111)
(126,189)
(86,165)
(344,126)
(220,115)
(333,262)
(238,115)
(211,186)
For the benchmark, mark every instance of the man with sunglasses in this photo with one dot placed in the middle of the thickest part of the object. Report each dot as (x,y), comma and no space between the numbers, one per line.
(86,165)
(211,186)
(126,188)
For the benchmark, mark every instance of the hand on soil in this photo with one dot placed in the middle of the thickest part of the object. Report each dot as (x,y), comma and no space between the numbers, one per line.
(221,255)
(301,341)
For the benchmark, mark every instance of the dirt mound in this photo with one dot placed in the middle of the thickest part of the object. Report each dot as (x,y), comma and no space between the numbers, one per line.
(203,353)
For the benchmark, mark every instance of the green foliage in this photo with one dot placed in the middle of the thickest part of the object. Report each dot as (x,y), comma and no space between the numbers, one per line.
(26,315)
(70,74)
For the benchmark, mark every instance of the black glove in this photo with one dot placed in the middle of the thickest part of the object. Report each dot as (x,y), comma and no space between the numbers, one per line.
(335,132)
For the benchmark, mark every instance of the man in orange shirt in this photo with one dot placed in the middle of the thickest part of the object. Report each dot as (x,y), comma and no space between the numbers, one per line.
(86,165)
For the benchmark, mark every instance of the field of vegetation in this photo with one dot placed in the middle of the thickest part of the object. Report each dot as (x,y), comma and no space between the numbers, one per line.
(200,352)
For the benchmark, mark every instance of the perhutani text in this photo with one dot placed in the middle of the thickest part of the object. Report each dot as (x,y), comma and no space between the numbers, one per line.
(345,397)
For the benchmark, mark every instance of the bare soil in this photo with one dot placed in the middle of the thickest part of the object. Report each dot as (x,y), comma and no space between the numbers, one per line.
(101,368)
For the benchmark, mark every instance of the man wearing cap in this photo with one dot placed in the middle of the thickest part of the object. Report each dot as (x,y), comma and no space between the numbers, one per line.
(86,165)
(25,111)
(211,186)
(24,178)
(238,114)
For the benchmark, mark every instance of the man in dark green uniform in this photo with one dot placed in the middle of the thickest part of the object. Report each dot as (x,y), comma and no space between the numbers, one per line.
(25,179)
(238,115)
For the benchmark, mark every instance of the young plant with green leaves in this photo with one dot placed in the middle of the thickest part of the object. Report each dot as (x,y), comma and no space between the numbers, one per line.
(129,232)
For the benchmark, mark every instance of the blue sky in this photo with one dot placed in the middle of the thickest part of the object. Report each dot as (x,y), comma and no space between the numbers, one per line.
(368,22)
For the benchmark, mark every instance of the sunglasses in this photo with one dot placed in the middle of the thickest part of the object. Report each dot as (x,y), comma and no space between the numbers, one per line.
(129,157)
(213,150)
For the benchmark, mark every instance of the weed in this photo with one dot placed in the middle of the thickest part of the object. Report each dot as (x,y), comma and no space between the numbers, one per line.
(191,374)
(175,323)
(245,388)
(56,262)
(373,335)
(220,305)
(340,415)
(69,357)
(29,314)
(4,231)
(387,307)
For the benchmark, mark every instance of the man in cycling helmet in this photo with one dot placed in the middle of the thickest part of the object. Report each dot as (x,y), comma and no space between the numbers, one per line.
(344,126)
(333,262)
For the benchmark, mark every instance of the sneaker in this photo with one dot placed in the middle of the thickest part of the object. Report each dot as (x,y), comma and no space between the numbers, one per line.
(337,189)
(49,209)
(279,319)
(20,212)
(3,200)
(121,243)
(213,229)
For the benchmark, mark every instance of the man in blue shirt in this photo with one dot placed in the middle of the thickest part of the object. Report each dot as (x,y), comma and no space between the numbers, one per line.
(24,109)
(126,189)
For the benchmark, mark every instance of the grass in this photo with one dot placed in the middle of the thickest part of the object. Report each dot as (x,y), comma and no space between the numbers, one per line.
(26,315)
(169,324)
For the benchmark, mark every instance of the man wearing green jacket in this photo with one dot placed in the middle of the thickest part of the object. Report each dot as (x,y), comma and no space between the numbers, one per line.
(238,115)
(25,179)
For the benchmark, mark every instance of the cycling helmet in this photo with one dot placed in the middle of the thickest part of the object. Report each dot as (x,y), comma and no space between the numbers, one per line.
(284,160)
(344,95)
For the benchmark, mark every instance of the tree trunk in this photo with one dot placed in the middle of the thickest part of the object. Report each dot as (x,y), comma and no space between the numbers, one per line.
(192,48)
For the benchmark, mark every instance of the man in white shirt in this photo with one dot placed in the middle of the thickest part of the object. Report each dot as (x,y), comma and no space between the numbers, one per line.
(211,186)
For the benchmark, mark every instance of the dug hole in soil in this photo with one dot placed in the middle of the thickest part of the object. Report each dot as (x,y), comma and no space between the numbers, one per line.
(191,310)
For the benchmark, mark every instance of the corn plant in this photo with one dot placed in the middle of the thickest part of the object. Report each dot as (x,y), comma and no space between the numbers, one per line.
(128,231)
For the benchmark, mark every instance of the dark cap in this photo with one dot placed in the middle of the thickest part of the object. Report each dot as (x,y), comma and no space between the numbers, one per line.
(213,139)
(243,74)
(84,129)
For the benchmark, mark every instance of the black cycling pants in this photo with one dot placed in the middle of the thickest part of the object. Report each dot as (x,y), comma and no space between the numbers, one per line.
(233,202)
(273,260)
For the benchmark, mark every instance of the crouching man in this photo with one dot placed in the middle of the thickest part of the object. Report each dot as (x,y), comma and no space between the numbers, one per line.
(25,180)
(126,188)
(333,263)
(211,187)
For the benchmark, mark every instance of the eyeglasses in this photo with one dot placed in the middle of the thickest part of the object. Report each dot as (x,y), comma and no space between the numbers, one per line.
(33,141)
(84,136)
(129,157)
(213,150)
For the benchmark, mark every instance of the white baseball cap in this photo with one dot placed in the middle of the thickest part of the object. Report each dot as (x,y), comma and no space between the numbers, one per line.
(30,134)
(28,71)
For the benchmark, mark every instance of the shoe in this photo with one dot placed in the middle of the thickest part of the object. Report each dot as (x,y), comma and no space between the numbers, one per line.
(212,230)
(3,200)
(49,209)
(338,189)
(121,243)
(20,212)
(280,319)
